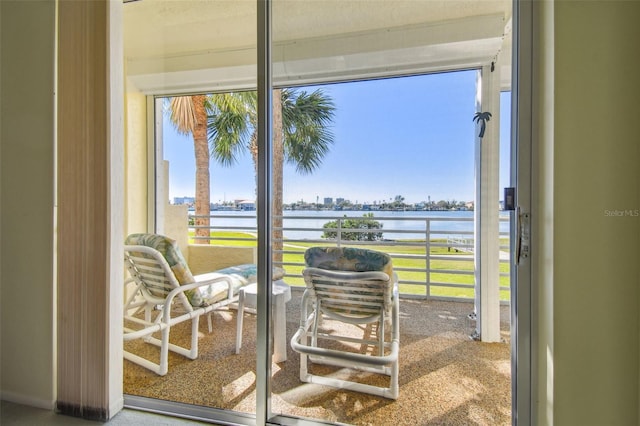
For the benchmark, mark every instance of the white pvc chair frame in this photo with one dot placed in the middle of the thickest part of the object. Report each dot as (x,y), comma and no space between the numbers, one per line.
(154,272)
(330,293)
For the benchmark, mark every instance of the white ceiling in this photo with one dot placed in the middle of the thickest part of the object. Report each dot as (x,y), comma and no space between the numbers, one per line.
(181,46)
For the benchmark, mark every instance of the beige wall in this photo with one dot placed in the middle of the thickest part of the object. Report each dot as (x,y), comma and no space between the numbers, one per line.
(203,258)
(136,189)
(595,266)
(175,226)
(27,184)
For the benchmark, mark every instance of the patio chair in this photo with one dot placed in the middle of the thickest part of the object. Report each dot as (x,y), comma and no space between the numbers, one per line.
(357,287)
(169,294)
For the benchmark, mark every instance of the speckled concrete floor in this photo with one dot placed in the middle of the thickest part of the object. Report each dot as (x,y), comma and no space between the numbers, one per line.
(445,377)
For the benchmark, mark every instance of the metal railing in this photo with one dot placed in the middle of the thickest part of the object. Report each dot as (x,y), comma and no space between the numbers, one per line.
(433,256)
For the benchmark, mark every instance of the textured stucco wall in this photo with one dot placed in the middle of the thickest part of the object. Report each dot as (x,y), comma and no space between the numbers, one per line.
(210,258)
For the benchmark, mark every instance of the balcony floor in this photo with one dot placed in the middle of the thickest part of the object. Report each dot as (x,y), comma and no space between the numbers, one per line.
(445,377)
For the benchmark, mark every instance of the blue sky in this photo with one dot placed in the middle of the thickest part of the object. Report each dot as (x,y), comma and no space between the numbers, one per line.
(411,136)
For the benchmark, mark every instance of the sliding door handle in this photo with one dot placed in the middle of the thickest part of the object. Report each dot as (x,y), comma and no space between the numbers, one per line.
(523,228)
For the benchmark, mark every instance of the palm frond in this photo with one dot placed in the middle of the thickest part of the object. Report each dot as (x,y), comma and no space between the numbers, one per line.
(307,148)
(306,119)
(182,114)
(229,125)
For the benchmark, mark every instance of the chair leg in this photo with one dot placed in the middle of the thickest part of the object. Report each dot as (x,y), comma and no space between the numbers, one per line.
(193,352)
(240,319)
(209,322)
(163,367)
(148,318)
(381,337)
(304,372)
(393,385)
(316,324)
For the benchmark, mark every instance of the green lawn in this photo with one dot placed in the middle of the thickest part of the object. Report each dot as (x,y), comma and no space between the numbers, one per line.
(446,271)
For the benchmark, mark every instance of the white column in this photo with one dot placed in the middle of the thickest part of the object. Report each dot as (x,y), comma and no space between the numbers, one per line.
(487,255)
(158,189)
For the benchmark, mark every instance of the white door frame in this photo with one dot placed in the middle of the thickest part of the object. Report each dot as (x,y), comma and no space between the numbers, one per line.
(522,296)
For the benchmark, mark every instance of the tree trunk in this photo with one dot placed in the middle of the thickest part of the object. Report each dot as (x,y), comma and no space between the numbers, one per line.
(278,160)
(201,148)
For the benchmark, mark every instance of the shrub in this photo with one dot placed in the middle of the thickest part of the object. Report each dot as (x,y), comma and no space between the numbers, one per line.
(365,223)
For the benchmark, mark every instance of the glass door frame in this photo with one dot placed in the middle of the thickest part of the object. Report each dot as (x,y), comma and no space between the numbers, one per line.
(523,350)
(523,300)
(264,211)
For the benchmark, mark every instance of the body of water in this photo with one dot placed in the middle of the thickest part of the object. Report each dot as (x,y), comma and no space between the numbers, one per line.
(395,224)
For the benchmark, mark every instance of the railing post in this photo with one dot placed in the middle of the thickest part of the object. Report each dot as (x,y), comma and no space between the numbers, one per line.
(428,256)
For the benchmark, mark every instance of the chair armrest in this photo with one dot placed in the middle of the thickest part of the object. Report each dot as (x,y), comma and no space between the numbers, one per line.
(212,277)
(166,309)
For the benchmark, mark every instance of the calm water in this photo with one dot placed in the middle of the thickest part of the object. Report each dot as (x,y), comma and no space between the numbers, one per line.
(451,222)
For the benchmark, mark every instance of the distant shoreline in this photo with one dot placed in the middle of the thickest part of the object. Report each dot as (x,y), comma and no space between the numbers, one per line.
(396,224)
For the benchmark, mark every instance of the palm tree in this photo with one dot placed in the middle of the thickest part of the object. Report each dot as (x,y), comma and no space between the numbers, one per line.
(482,118)
(301,135)
(189,116)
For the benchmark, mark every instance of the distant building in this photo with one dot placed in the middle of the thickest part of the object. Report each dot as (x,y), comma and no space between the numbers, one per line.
(184,200)
(339,200)
(246,205)
(328,201)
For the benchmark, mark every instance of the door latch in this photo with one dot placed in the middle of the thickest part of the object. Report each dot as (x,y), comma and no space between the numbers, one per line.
(523,238)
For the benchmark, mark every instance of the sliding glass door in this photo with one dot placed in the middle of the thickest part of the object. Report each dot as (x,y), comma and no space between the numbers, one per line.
(404,88)
(317,116)
(184,61)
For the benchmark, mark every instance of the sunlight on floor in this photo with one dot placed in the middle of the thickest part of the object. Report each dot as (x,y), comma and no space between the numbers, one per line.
(239,386)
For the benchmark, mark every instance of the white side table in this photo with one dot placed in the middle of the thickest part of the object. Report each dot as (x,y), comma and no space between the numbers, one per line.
(248,298)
